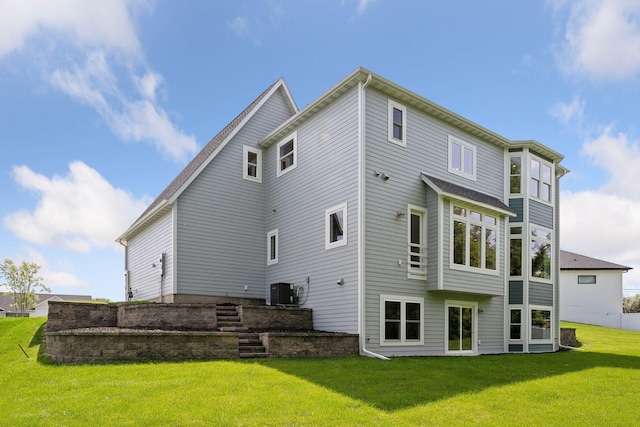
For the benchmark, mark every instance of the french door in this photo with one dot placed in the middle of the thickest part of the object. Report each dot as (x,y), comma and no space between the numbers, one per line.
(461,327)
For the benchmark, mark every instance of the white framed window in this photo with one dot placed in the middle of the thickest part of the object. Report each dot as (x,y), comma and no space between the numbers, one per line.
(474,240)
(272,247)
(462,158)
(397,123)
(586,279)
(541,322)
(401,320)
(461,334)
(417,243)
(541,182)
(515,250)
(515,175)
(335,226)
(515,324)
(287,153)
(252,164)
(540,253)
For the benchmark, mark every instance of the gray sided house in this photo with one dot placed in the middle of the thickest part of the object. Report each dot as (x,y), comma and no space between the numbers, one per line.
(393,217)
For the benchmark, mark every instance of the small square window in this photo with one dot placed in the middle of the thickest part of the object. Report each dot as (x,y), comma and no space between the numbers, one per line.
(397,123)
(272,247)
(287,152)
(336,226)
(252,164)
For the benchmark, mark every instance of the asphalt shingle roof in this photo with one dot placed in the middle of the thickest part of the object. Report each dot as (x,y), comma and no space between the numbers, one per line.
(573,261)
(468,193)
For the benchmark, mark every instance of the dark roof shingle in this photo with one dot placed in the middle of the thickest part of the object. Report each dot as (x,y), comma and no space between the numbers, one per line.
(573,261)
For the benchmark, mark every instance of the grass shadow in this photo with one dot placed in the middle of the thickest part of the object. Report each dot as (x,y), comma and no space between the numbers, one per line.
(406,382)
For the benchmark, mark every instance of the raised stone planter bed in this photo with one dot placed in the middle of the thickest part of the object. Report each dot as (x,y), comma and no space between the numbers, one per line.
(169,317)
(279,318)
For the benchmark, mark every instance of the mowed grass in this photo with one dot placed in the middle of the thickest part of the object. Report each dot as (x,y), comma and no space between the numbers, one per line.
(598,385)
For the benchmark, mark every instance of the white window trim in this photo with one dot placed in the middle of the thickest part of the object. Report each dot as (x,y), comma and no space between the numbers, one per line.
(552,328)
(327,226)
(464,144)
(474,337)
(468,221)
(245,162)
(272,233)
(523,249)
(522,174)
(414,273)
(529,239)
(522,323)
(552,183)
(294,137)
(403,300)
(391,105)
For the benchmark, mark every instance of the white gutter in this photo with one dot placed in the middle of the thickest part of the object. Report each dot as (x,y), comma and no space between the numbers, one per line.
(361,258)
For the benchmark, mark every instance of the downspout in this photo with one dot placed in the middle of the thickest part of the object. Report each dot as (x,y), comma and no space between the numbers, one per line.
(361,226)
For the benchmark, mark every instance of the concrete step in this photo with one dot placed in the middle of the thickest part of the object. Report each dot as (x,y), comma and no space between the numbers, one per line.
(233,328)
(228,318)
(251,349)
(253,355)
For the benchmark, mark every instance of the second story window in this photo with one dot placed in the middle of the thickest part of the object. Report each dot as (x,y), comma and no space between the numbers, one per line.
(397,123)
(515,175)
(417,241)
(541,179)
(287,154)
(462,158)
(252,160)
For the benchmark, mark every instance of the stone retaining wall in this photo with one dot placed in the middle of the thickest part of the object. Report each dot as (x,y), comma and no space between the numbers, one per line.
(310,344)
(68,315)
(90,345)
(276,318)
(170,317)
(568,337)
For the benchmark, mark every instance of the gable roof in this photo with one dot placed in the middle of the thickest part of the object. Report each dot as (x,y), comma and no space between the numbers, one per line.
(458,192)
(163,202)
(573,261)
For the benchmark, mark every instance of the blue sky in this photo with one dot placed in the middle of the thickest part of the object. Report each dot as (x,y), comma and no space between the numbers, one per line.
(102,103)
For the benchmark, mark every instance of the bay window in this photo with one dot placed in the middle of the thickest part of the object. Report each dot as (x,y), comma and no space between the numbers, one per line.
(474,239)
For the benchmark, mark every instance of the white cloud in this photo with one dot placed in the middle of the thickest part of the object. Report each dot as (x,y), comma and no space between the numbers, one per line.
(602,39)
(605,222)
(569,113)
(94,84)
(105,23)
(77,212)
(103,34)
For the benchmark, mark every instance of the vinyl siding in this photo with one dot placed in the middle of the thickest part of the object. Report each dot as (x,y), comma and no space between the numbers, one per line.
(515,292)
(143,251)
(516,206)
(386,234)
(540,213)
(326,175)
(221,243)
(540,293)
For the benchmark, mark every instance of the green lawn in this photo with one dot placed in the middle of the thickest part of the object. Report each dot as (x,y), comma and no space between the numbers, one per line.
(599,385)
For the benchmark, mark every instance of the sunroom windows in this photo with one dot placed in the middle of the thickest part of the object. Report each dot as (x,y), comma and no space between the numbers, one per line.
(401,320)
(474,239)
(540,253)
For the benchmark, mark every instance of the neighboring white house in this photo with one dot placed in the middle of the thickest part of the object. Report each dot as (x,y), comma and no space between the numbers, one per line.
(392,217)
(591,290)
(42,306)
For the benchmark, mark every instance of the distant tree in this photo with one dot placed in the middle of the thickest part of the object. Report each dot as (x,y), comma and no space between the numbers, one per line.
(23,283)
(631,304)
